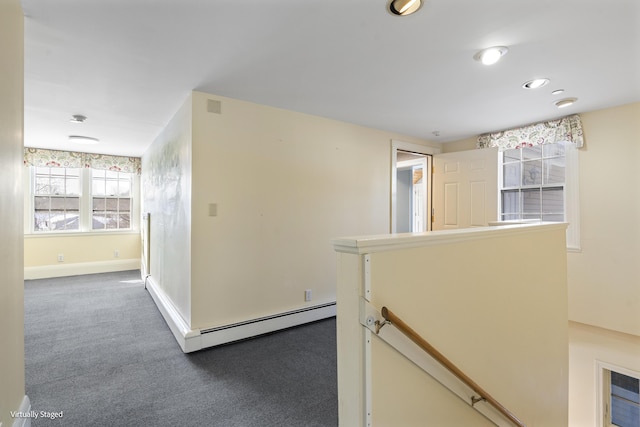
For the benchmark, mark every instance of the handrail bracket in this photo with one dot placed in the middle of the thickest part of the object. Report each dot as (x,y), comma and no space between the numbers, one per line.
(476,399)
(380,324)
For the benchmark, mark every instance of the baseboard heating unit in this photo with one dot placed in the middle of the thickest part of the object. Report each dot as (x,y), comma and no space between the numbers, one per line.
(195,339)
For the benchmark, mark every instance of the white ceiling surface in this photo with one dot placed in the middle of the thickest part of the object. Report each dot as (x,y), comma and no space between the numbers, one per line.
(129,65)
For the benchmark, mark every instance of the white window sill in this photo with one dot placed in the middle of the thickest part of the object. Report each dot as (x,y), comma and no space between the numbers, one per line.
(45,234)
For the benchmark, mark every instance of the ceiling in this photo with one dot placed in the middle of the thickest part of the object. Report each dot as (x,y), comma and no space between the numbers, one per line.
(129,65)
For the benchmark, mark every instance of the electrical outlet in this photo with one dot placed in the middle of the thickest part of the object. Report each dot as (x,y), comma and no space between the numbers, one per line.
(60,257)
(116,254)
(307,295)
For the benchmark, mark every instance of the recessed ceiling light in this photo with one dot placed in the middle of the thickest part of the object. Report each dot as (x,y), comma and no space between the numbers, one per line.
(491,55)
(535,83)
(404,7)
(83,139)
(565,102)
(78,118)
(557,92)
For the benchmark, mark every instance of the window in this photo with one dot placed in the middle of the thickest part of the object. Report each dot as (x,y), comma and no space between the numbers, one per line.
(111,200)
(56,200)
(533,183)
(620,398)
(81,200)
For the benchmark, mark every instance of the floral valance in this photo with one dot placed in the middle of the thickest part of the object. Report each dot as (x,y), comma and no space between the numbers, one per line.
(71,159)
(566,129)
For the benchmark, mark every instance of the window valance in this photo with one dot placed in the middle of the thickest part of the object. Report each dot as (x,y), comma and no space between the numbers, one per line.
(566,129)
(70,159)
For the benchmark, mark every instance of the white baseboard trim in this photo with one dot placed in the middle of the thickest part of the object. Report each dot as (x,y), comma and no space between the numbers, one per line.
(187,338)
(195,339)
(25,409)
(75,269)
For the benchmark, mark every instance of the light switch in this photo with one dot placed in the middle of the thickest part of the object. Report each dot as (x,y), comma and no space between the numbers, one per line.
(213,209)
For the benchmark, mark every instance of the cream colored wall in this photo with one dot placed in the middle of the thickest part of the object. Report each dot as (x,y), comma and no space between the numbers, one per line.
(166,195)
(284,184)
(461,145)
(43,250)
(604,279)
(588,344)
(501,319)
(12,380)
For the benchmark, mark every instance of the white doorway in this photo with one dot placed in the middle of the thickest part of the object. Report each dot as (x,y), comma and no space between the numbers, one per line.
(410,187)
(412,178)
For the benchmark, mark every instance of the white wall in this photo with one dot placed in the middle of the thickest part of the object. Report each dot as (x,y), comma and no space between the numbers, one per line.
(284,184)
(166,195)
(12,385)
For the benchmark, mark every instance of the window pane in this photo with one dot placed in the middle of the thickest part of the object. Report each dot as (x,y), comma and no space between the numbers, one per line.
(41,221)
(534,152)
(553,150)
(554,171)
(511,175)
(511,155)
(72,220)
(532,172)
(72,172)
(124,205)
(625,400)
(626,386)
(57,171)
(511,205)
(97,187)
(553,217)
(97,173)
(41,202)
(42,185)
(531,202)
(57,220)
(112,174)
(125,188)
(124,221)
(553,200)
(99,222)
(112,188)
(98,204)
(112,221)
(73,186)
(57,185)
(111,205)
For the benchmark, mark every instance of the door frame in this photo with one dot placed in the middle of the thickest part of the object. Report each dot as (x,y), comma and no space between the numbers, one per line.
(396,146)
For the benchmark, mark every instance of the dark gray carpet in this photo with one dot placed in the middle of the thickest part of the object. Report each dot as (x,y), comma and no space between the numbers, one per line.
(98,350)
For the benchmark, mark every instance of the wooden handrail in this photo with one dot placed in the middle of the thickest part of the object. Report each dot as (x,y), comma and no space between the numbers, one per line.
(423,344)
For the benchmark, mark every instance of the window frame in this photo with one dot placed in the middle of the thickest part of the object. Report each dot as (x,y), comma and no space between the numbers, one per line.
(603,385)
(86,212)
(65,176)
(106,179)
(571,195)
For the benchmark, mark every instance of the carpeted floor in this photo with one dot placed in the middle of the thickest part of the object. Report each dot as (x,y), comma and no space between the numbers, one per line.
(98,350)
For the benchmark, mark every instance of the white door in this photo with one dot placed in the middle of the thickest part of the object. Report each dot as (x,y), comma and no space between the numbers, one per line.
(465,189)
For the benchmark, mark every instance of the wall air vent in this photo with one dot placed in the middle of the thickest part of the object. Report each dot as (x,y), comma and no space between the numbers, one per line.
(214,106)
